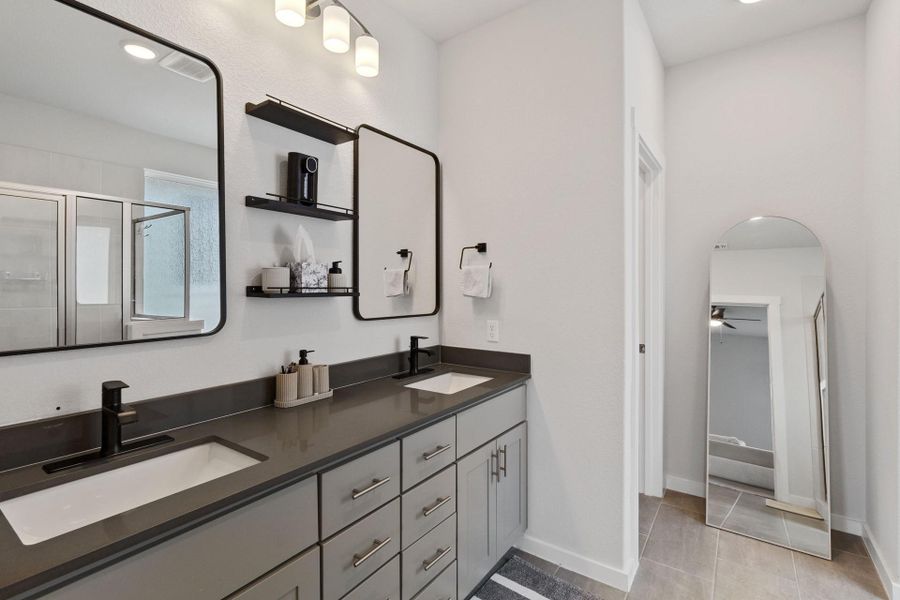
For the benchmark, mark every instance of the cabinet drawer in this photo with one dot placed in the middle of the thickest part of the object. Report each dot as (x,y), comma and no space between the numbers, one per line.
(480,424)
(297,579)
(442,588)
(428,451)
(383,585)
(351,556)
(425,559)
(427,505)
(355,489)
(213,559)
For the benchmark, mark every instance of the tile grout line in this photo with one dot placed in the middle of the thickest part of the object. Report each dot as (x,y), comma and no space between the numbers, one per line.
(731,510)
(796,575)
(716,565)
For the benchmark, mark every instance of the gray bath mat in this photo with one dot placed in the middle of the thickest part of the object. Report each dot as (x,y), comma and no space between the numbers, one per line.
(520,580)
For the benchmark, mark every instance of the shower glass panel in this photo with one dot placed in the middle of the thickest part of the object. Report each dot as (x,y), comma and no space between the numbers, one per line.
(98,271)
(161,262)
(29,272)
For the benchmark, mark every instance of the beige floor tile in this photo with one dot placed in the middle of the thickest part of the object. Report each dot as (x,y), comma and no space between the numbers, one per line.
(659,582)
(735,581)
(685,501)
(719,504)
(648,506)
(807,535)
(846,577)
(848,543)
(590,586)
(750,516)
(681,540)
(757,555)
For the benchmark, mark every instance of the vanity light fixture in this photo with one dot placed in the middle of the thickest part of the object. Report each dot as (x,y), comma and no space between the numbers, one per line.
(336,29)
(337,23)
(291,12)
(367,57)
(138,51)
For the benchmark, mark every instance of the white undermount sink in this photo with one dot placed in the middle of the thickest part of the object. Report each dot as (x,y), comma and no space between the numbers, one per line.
(56,510)
(448,383)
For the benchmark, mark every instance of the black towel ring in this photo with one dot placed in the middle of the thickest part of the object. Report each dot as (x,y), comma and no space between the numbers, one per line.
(405,253)
(480,247)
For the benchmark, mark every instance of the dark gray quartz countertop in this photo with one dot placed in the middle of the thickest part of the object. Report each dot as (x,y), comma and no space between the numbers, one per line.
(297,442)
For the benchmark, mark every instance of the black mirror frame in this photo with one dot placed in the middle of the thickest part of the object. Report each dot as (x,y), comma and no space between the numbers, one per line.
(438,203)
(220,125)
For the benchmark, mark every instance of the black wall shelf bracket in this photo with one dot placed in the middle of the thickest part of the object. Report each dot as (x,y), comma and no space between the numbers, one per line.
(480,247)
(282,113)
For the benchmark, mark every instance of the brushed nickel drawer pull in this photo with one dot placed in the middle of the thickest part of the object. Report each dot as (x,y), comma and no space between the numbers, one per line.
(377,545)
(438,450)
(440,502)
(503,468)
(376,483)
(440,554)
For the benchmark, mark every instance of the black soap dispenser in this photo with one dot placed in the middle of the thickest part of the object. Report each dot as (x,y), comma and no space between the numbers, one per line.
(337,281)
(305,377)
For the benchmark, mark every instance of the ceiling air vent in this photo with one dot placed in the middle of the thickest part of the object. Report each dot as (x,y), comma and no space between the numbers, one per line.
(187,66)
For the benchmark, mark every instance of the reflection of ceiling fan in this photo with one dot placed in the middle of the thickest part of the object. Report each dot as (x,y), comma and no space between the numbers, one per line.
(717,318)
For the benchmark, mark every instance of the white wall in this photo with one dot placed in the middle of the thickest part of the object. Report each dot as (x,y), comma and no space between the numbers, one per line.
(258,55)
(771,129)
(532,126)
(644,78)
(53,147)
(882,157)
(741,406)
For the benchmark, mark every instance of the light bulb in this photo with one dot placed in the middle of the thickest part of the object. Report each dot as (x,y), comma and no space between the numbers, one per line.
(715,323)
(336,29)
(291,12)
(367,57)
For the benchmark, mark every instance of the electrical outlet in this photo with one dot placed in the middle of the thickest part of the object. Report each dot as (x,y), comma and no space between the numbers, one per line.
(493,331)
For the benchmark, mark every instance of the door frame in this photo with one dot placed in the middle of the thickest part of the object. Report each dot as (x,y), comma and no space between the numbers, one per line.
(643,441)
(776,383)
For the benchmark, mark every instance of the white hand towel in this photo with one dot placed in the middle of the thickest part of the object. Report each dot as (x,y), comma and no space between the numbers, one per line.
(395,283)
(476,281)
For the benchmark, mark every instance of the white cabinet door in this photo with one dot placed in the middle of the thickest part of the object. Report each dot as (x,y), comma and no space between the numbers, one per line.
(512,514)
(476,507)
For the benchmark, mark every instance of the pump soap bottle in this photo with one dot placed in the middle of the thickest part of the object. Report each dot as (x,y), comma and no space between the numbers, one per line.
(305,374)
(337,281)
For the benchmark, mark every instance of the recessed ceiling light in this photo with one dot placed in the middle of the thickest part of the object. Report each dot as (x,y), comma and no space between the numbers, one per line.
(749,1)
(138,51)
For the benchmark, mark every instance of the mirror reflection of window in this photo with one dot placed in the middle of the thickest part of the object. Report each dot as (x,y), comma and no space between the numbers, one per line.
(202,198)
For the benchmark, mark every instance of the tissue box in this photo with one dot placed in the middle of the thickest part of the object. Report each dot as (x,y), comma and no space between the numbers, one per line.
(310,275)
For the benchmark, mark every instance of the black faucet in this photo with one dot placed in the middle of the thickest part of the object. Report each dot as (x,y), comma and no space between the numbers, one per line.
(113,414)
(413,358)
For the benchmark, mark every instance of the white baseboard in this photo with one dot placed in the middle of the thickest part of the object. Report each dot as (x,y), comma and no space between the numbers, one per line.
(697,488)
(685,486)
(582,565)
(847,525)
(891,585)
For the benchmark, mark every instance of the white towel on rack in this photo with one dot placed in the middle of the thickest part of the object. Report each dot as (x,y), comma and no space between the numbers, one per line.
(395,283)
(476,281)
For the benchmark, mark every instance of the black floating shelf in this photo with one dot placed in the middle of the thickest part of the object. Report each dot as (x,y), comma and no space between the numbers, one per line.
(256,291)
(317,211)
(308,123)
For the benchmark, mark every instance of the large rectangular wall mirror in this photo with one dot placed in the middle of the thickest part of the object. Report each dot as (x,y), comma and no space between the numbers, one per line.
(397,234)
(767,441)
(111,199)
